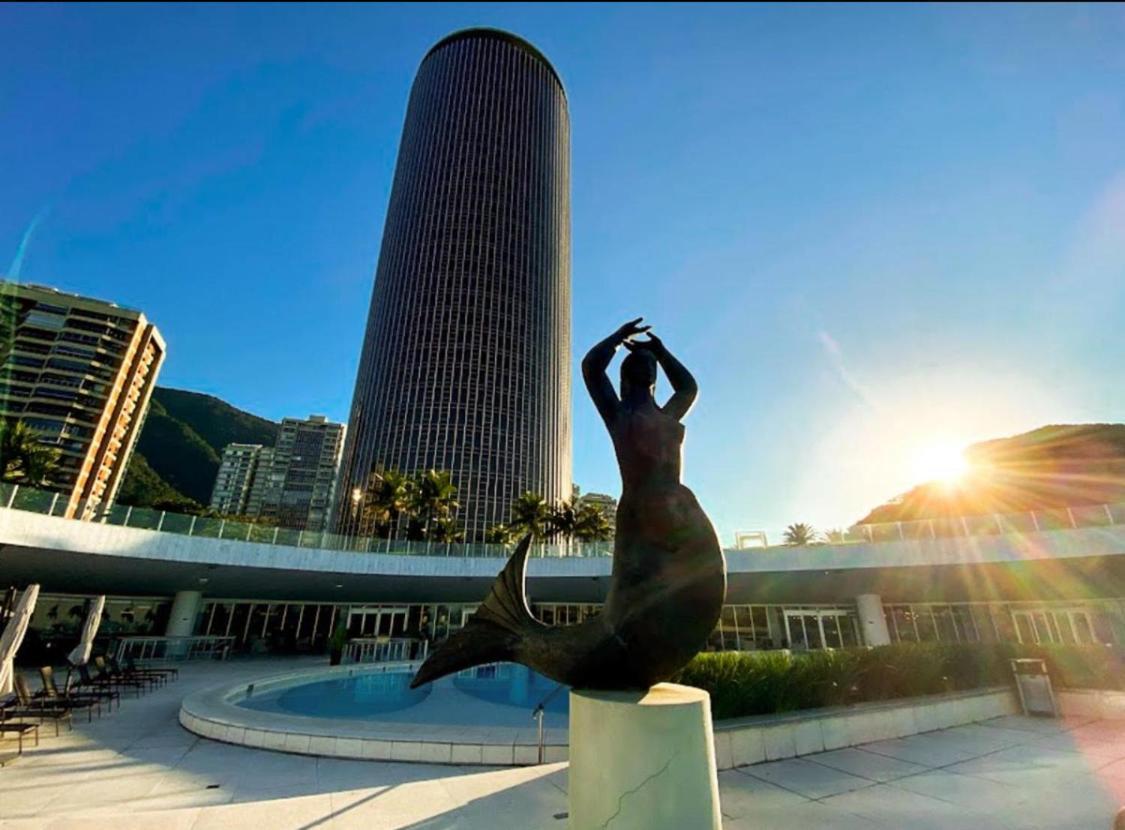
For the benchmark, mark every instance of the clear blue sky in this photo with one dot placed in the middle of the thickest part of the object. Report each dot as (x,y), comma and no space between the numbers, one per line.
(870,231)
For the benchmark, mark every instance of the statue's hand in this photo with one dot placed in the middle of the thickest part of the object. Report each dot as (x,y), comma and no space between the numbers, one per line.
(654,344)
(630,329)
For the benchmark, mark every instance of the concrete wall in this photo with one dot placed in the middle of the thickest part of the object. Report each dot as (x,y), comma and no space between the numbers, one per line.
(772,737)
(1091,703)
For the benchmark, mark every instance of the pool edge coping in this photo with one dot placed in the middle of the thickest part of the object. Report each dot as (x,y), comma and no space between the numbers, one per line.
(214,714)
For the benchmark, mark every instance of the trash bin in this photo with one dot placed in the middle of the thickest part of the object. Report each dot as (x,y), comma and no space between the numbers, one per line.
(1034,686)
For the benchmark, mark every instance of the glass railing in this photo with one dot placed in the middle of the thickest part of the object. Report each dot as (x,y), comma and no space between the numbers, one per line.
(54,504)
(143,518)
(991,524)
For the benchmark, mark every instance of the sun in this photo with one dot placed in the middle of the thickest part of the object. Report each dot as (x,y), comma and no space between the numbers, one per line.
(941,462)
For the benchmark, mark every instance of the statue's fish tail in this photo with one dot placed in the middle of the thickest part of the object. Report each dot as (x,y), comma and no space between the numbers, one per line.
(494,631)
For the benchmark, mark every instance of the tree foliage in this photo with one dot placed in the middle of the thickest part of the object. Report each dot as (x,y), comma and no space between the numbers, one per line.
(26,459)
(800,534)
(569,520)
(420,507)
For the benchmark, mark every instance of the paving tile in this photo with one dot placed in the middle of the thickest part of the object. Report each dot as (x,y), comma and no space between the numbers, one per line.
(869,765)
(966,791)
(889,807)
(806,816)
(807,778)
(928,750)
(742,794)
(1027,766)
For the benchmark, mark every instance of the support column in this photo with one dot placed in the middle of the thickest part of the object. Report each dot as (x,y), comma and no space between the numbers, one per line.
(872,622)
(185,608)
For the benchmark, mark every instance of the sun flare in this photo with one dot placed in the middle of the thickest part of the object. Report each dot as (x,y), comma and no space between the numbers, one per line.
(944,462)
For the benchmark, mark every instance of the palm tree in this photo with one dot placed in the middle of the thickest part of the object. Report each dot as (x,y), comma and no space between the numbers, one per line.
(434,498)
(26,459)
(592,524)
(531,514)
(500,534)
(563,519)
(390,496)
(446,530)
(800,534)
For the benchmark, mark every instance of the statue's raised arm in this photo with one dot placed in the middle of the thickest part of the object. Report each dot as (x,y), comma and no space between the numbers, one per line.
(684,388)
(596,362)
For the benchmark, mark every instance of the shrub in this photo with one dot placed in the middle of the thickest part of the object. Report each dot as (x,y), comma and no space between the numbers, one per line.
(769,682)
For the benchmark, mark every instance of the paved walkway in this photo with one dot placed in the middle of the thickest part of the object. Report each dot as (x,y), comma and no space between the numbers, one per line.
(138,769)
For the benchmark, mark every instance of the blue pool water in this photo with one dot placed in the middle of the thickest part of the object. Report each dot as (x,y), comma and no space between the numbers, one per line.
(373,695)
(362,696)
(514,685)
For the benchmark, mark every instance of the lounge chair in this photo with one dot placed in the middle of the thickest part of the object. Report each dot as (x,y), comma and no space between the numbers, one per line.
(104,681)
(118,676)
(169,671)
(75,685)
(158,677)
(51,691)
(11,708)
(28,699)
(18,730)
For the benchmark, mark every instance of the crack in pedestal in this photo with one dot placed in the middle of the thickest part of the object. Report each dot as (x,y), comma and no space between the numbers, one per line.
(621,798)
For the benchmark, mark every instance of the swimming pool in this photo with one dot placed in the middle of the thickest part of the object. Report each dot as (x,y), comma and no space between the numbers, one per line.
(375,694)
(360,696)
(368,711)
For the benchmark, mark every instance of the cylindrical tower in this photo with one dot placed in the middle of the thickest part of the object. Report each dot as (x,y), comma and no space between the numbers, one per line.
(466,359)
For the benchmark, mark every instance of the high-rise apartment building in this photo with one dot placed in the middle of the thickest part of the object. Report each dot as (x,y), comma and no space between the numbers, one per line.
(291,483)
(466,358)
(80,372)
(233,485)
(267,484)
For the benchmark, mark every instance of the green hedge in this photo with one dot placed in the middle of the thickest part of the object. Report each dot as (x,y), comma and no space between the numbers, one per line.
(762,683)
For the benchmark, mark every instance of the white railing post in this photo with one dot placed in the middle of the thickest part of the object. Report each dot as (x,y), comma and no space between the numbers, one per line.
(1070,515)
(249,527)
(275,531)
(901,535)
(1034,520)
(222,524)
(300,536)
(1109,514)
(128,514)
(191,526)
(12,496)
(54,501)
(160,521)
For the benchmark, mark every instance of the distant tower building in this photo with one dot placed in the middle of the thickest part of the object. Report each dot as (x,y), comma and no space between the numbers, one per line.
(294,483)
(237,471)
(606,504)
(80,372)
(466,358)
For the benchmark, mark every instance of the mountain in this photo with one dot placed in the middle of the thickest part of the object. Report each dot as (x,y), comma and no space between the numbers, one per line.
(178,452)
(1053,466)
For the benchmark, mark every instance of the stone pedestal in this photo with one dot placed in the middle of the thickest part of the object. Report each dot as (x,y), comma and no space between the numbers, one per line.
(643,760)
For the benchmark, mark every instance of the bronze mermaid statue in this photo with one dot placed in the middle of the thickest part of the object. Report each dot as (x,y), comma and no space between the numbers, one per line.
(669,579)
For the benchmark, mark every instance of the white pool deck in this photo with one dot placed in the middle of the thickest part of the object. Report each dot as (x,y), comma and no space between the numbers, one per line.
(138,768)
